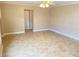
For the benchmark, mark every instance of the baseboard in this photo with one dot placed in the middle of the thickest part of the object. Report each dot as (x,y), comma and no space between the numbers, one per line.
(64,34)
(13,33)
(40,30)
(59,32)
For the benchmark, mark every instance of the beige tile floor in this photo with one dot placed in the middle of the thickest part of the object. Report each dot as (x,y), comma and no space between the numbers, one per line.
(39,44)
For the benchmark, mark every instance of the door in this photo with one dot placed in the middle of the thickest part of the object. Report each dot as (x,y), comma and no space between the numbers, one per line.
(28,16)
(31,19)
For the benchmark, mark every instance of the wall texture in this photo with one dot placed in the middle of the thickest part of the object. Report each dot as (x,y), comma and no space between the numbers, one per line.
(41,17)
(65,19)
(13,18)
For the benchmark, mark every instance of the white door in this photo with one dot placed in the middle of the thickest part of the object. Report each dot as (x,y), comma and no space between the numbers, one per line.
(31,19)
(28,16)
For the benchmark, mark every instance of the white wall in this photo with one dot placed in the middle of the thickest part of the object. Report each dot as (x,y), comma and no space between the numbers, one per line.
(41,17)
(65,19)
(12,18)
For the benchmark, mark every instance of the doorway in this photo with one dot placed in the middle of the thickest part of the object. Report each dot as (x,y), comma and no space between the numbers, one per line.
(28,18)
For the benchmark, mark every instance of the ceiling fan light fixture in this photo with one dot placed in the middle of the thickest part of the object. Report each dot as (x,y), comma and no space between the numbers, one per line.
(47,5)
(42,5)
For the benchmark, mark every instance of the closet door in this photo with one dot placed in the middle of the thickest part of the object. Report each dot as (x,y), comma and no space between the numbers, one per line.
(31,19)
(26,17)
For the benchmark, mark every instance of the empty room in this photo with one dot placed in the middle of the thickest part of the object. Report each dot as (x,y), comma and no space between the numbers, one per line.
(39,28)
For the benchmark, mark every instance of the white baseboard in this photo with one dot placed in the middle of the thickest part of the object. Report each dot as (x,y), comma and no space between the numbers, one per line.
(59,32)
(65,34)
(13,33)
(40,30)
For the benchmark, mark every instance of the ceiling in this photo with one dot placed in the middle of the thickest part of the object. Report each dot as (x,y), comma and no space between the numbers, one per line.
(37,3)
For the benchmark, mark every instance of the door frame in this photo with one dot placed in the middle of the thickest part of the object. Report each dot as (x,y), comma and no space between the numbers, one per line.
(29,17)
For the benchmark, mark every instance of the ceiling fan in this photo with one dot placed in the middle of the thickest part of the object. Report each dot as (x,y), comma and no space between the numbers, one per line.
(46,3)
